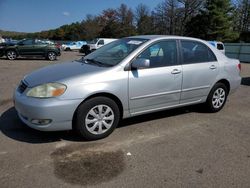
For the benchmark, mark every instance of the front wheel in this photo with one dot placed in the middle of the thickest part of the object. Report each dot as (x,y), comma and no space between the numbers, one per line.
(217,97)
(11,55)
(51,56)
(97,118)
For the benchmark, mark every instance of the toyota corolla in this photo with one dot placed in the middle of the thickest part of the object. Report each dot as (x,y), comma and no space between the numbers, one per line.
(128,77)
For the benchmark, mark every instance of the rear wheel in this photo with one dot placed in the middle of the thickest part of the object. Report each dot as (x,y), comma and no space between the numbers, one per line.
(51,56)
(97,118)
(11,54)
(217,97)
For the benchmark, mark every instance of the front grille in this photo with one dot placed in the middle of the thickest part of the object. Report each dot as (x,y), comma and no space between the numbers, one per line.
(22,86)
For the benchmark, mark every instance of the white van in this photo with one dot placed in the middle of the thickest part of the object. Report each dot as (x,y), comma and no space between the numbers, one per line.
(99,42)
(95,44)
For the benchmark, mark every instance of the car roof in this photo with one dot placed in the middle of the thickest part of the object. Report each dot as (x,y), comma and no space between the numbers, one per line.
(153,37)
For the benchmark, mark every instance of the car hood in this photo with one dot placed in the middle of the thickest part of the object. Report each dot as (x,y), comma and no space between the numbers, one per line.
(61,73)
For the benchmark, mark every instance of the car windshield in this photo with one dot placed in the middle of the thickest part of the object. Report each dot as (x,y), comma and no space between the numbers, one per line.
(114,52)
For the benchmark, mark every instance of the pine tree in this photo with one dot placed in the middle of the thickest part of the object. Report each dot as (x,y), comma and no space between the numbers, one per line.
(220,22)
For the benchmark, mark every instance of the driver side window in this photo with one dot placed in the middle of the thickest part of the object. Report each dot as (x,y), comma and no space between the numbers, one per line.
(27,42)
(161,54)
(101,42)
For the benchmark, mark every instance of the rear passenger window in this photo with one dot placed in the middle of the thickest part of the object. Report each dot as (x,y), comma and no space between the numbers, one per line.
(196,52)
(161,54)
(220,47)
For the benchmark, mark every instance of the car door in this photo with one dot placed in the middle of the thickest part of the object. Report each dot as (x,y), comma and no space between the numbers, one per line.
(200,69)
(73,47)
(39,47)
(159,85)
(25,47)
(100,43)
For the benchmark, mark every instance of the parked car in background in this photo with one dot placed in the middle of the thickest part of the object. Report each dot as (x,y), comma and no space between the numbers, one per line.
(128,77)
(73,45)
(2,40)
(219,45)
(52,43)
(95,44)
(4,45)
(29,47)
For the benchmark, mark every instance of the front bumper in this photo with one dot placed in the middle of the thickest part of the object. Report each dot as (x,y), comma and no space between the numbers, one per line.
(60,112)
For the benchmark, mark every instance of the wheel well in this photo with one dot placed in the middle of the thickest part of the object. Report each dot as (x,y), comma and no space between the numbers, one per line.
(108,95)
(51,51)
(6,51)
(226,83)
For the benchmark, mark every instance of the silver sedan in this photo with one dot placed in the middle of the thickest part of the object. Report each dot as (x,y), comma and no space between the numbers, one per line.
(128,77)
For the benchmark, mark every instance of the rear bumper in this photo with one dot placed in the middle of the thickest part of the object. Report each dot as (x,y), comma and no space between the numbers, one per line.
(59,53)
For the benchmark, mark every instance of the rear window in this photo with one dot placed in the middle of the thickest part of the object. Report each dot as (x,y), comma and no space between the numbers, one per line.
(196,52)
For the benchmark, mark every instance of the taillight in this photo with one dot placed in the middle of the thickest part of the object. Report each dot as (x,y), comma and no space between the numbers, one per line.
(239,66)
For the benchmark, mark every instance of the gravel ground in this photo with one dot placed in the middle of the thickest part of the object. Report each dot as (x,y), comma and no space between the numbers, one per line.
(175,148)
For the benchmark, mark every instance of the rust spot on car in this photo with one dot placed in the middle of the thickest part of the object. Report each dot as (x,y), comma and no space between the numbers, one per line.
(87,164)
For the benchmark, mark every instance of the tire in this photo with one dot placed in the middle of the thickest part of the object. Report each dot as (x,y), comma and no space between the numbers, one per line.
(67,49)
(217,98)
(90,124)
(51,56)
(11,54)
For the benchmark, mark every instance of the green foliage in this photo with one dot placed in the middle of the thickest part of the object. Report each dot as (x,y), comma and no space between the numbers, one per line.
(215,22)
(220,20)
(12,34)
(144,22)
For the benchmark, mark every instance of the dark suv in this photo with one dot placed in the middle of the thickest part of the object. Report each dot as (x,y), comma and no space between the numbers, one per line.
(30,47)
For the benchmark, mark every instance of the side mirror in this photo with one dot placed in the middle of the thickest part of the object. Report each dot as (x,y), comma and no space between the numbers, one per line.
(140,63)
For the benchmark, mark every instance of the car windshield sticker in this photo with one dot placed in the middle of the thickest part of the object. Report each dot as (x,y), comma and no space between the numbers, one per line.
(135,42)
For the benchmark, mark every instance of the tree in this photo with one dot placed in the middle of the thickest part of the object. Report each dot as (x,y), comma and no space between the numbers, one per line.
(125,17)
(143,18)
(188,9)
(165,17)
(214,22)
(91,27)
(220,20)
(110,25)
(197,26)
(242,15)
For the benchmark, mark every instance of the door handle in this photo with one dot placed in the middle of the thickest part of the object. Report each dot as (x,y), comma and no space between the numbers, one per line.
(212,67)
(176,71)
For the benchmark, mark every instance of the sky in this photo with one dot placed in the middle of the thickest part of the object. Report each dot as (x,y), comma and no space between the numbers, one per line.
(38,15)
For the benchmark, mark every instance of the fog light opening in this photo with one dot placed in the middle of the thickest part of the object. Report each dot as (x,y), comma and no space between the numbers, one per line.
(41,121)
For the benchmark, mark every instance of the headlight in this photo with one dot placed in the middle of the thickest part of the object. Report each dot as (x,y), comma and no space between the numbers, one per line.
(47,90)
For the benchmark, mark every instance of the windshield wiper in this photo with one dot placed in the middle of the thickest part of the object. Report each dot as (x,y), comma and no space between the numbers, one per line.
(93,61)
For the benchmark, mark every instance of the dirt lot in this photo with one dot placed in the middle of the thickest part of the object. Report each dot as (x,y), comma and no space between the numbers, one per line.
(174,148)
